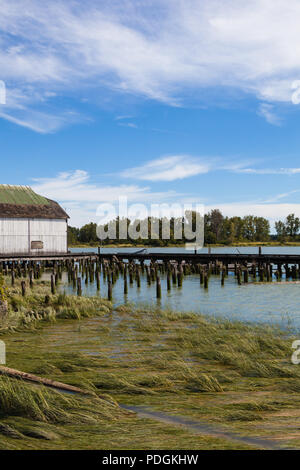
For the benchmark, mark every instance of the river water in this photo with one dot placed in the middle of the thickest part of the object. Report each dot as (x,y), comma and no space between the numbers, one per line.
(275,303)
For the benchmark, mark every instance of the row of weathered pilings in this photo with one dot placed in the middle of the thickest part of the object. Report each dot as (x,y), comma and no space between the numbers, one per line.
(98,269)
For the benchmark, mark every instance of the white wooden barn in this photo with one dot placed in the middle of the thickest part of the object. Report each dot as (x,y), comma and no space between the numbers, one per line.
(31,224)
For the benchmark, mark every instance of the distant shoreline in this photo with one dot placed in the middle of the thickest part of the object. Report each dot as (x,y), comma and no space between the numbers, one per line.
(217,245)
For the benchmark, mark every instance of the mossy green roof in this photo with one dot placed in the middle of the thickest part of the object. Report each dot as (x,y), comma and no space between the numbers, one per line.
(20,195)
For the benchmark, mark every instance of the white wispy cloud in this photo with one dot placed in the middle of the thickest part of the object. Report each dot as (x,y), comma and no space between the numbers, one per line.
(28,107)
(269,171)
(128,124)
(280,196)
(120,118)
(80,197)
(266,110)
(64,46)
(168,169)
(39,122)
(76,186)
(176,167)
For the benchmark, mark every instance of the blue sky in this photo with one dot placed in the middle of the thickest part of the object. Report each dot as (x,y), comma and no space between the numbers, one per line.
(161,101)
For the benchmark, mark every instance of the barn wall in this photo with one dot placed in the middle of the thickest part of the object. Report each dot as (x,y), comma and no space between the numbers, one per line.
(13,236)
(16,235)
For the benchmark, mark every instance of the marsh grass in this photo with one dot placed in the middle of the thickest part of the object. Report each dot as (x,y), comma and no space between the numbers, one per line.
(243,416)
(38,413)
(32,311)
(210,369)
(40,404)
(18,398)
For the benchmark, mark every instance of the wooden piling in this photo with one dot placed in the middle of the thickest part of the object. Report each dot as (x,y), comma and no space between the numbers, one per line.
(52,284)
(223,274)
(125,285)
(168,281)
(158,288)
(98,280)
(31,278)
(261,274)
(23,287)
(138,279)
(148,275)
(179,279)
(79,288)
(109,290)
(174,275)
(205,281)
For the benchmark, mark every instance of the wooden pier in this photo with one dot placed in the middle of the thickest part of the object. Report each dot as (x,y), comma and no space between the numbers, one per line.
(157,268)
(141,257)
(10,258)
(204,258)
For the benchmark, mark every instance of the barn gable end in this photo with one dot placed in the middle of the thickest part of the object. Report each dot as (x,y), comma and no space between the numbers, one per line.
(30,223)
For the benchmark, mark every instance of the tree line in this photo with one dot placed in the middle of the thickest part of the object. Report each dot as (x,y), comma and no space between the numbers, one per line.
(217,230)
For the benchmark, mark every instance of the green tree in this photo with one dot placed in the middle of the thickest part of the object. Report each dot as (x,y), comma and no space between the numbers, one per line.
(249,228)
(280,230)
(213,226)
(292,225)
(228,230)
(262,229)
(239,224)
(88,233)
(216,223)
(73,234)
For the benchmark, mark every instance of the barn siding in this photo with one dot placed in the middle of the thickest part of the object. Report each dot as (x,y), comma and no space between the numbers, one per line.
(16,235)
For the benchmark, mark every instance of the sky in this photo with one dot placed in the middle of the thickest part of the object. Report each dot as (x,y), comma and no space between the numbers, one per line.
(161,101)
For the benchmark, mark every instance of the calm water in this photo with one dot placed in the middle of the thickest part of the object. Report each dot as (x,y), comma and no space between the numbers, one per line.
(255,302)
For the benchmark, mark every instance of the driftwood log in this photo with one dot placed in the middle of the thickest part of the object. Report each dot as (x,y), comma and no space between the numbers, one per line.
(40,380)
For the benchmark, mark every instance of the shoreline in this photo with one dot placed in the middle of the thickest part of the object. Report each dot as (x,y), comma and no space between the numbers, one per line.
(218,245)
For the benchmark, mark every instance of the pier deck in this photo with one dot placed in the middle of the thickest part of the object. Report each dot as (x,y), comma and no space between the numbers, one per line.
(187,257)
(206,258)
(48,257)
